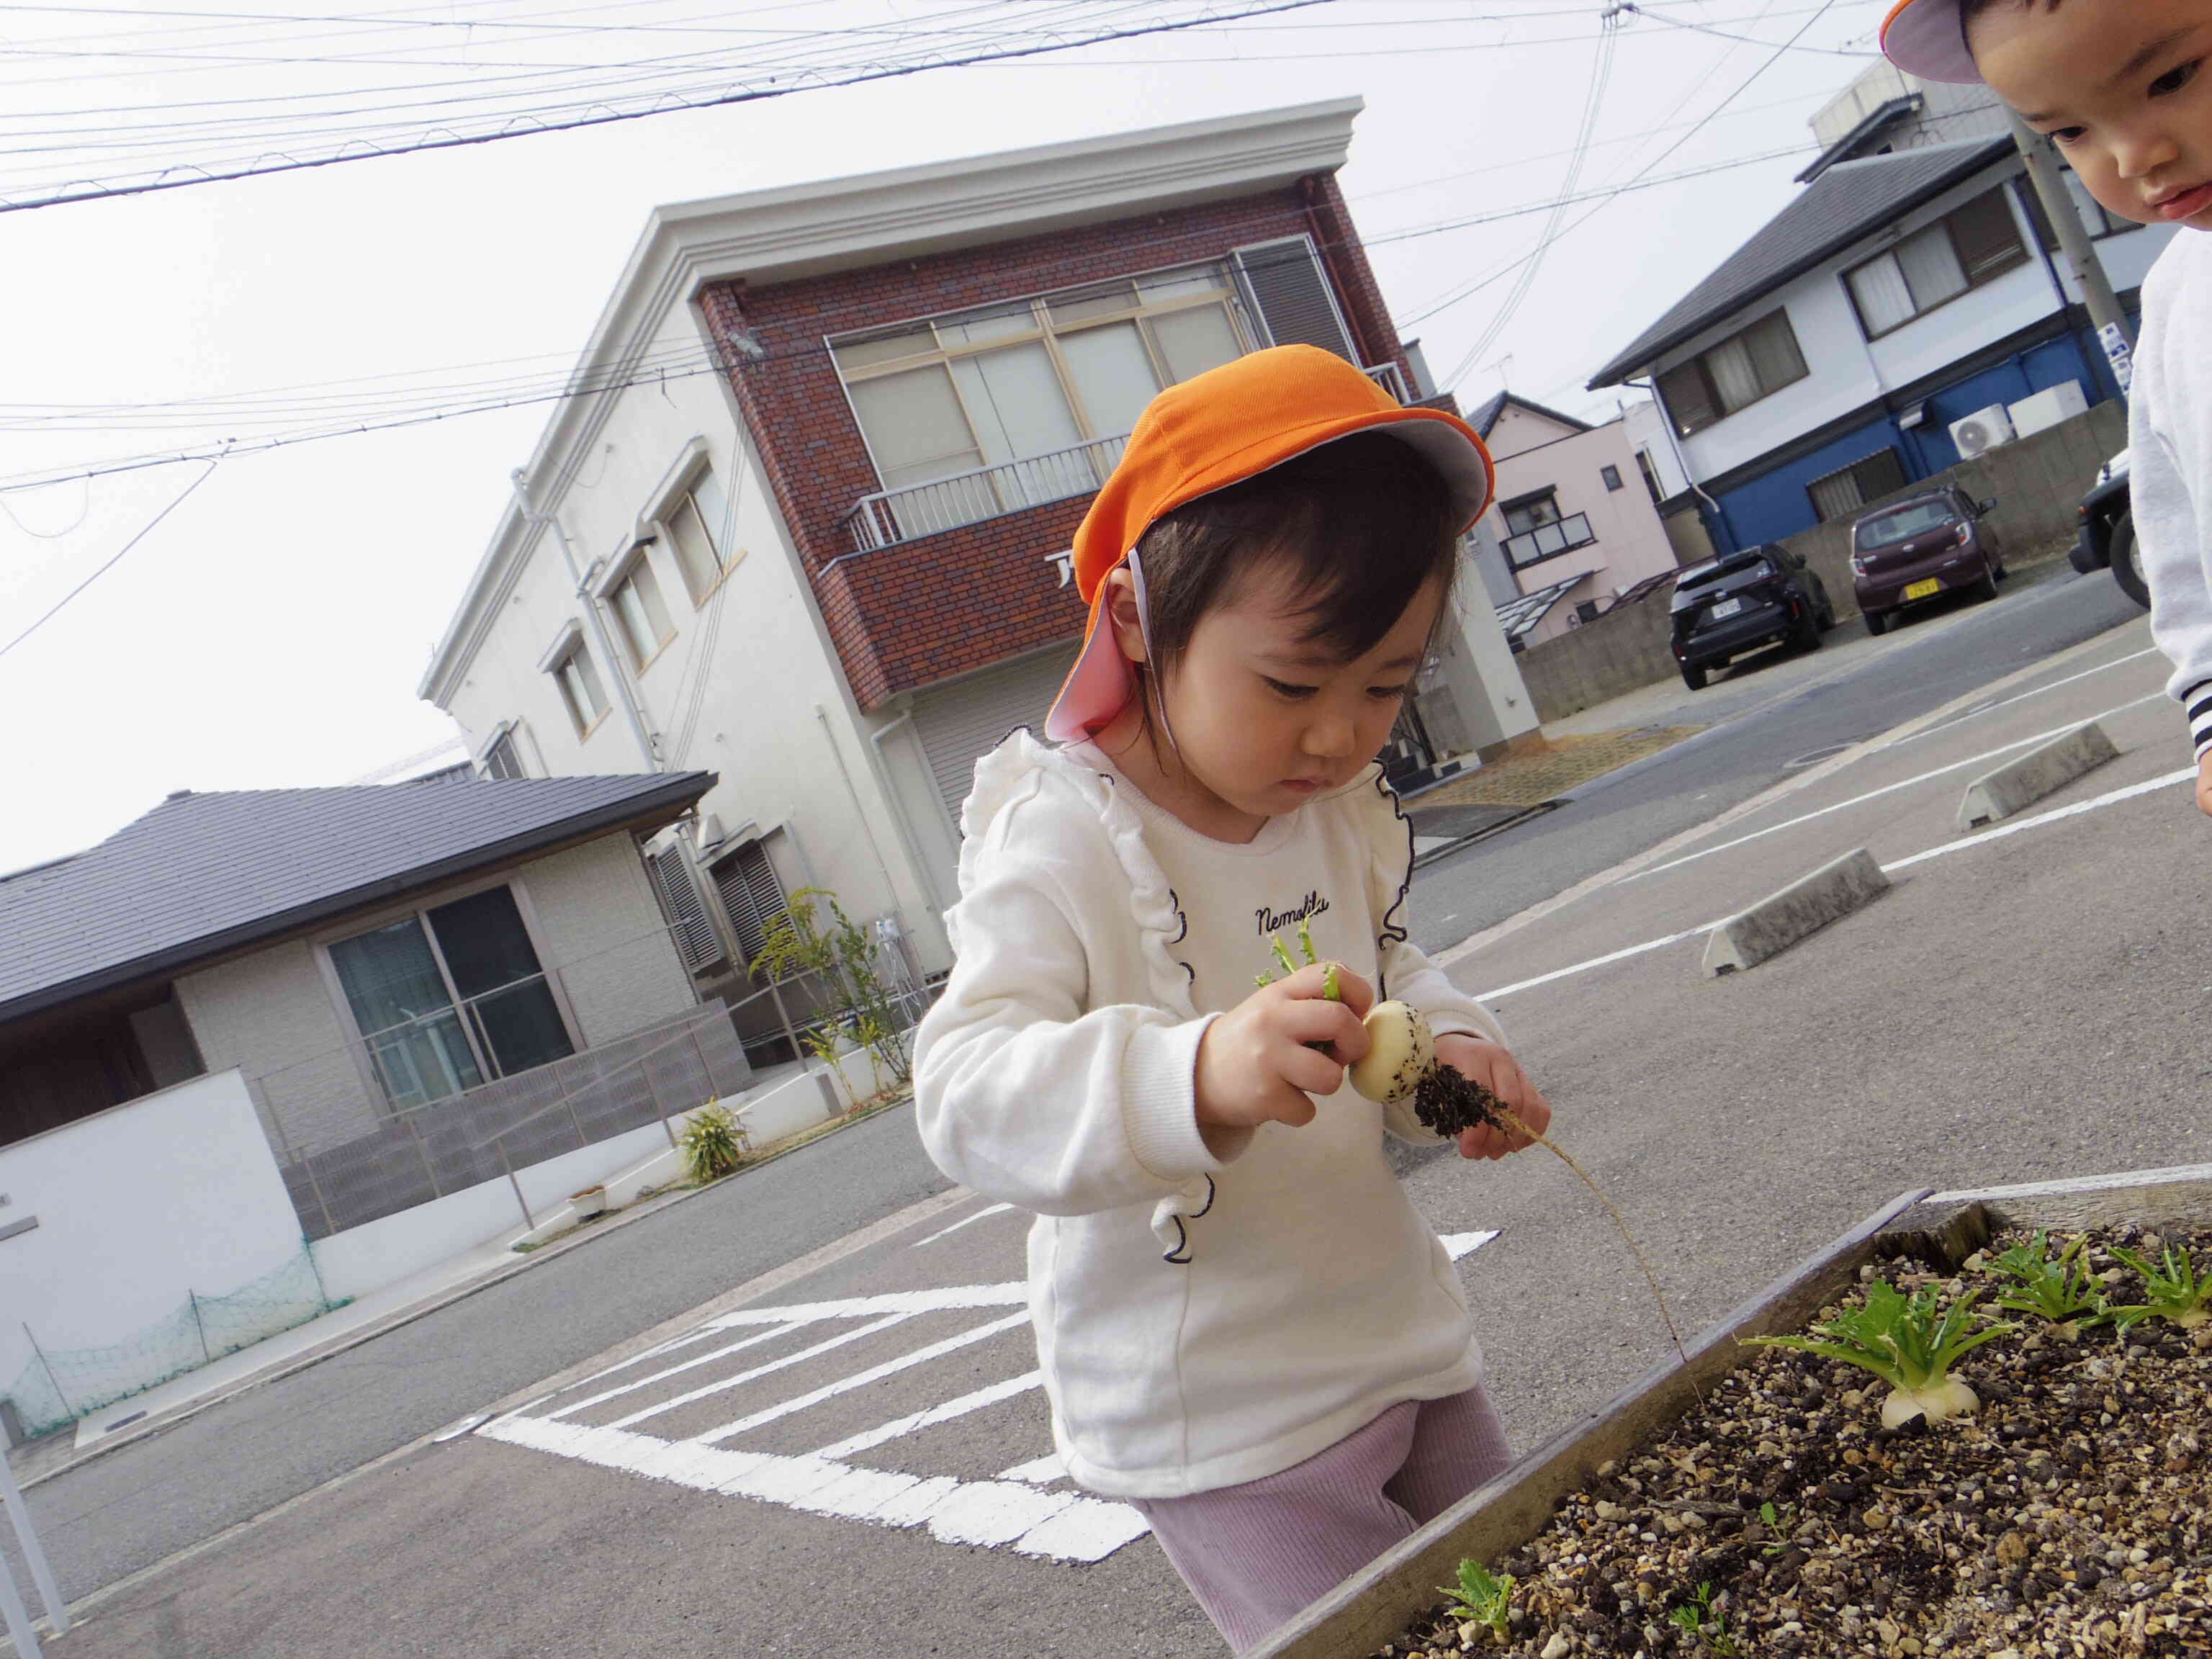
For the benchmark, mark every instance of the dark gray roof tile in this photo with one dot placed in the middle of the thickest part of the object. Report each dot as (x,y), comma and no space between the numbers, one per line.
(204,873)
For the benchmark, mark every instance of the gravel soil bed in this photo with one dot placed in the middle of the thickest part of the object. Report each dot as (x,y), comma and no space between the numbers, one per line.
(2067,1518)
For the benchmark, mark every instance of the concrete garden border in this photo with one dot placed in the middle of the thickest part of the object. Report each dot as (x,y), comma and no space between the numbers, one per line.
(1375,1605)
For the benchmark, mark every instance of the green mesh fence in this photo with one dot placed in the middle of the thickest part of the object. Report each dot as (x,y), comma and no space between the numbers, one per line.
(62,1384)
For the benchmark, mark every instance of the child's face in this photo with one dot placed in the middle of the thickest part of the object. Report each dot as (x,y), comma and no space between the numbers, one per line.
(1264,719)
(2120,87)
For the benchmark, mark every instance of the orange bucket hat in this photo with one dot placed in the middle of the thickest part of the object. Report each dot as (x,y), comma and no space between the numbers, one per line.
(1928,37)
(1218,428)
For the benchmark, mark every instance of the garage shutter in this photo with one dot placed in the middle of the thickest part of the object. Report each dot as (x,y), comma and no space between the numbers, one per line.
(962,723)
(1291,293)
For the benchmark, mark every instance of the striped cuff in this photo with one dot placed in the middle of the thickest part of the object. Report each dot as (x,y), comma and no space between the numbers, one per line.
(2197,700)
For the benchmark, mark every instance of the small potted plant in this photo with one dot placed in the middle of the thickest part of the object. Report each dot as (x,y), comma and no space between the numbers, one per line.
(592,1201)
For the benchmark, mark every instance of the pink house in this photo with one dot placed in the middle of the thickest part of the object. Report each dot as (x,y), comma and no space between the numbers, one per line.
(1576,520)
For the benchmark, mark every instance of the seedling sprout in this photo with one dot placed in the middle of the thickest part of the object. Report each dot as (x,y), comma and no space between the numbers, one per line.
(2063,1291)
(1484,1597)
(1696,1618)
(1904,1343)
(2175,1288)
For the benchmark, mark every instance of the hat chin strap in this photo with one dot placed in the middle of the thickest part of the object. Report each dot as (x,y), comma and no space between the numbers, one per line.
(1145,631)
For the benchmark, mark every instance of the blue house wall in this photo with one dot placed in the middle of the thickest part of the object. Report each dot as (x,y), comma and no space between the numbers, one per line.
(1779,502)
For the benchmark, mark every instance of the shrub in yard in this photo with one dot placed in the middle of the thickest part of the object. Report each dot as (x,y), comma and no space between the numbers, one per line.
(712,1144)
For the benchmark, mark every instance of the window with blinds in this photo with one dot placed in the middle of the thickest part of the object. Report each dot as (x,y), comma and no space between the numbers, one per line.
(1733,374)
(752,895)
(694,929)
(501,762)
(1291,293)
(1975,243)
(1841,494)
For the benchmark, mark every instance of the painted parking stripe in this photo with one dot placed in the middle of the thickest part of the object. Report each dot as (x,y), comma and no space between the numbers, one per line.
(995,1209)
(1976,714)
(673,1370)
(974,1401)
(1887,789)
(759,1371)
(2187,774)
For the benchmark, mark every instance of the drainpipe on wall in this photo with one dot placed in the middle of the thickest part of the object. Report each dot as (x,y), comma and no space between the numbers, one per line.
(830,737)
(592,620)
(899,814)
(1674,443)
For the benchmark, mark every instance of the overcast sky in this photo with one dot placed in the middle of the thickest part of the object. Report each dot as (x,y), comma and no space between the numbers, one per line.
(270,632)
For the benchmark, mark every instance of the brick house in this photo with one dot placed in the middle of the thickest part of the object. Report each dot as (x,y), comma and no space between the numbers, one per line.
(820,554)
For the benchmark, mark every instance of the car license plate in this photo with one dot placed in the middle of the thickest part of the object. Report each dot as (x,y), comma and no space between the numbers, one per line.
(1725,608)
(1924,590)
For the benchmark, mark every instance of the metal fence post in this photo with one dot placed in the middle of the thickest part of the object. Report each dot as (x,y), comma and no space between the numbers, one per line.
(306,1160)
(42,1574)
(18,1616)
(659,1108)
(528,1220)
(50,1377)
(429,1169)
(199,1324)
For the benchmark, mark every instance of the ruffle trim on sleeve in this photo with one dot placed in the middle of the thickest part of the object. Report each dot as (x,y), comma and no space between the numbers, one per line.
(1390,833)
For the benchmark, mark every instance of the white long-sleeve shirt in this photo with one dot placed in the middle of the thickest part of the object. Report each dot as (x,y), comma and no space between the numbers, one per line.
(1201,1320)
(2170,468)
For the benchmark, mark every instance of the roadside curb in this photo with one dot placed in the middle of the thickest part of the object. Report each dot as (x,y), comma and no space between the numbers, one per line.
(1796,913)
(523,1262)
(1474,943)
(2020,783)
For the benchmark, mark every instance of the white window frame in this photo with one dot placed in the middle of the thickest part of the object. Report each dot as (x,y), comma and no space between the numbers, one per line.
(1227,296)
(1944,222)
(672,496)
(508,732)
(569,645)
(623,572)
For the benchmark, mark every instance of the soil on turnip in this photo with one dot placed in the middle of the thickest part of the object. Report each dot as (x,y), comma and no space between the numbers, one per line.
(2069,1518)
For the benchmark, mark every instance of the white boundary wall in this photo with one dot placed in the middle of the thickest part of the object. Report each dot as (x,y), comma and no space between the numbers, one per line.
(172,1193)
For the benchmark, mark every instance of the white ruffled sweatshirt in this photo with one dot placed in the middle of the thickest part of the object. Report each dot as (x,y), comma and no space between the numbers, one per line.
(1200,1322)
(2170,468)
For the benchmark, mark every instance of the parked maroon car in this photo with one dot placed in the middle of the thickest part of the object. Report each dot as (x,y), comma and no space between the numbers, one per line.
(1914,550)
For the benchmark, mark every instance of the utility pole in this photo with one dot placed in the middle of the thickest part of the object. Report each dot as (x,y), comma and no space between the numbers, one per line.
(2105,313)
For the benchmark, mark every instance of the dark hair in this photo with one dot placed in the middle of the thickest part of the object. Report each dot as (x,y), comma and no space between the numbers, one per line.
(1363,524)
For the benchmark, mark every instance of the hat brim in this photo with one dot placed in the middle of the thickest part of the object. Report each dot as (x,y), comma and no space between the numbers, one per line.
(1100,684)
(1928,37)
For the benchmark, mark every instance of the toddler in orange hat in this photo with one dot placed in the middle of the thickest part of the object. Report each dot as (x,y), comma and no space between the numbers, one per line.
(1245,1329)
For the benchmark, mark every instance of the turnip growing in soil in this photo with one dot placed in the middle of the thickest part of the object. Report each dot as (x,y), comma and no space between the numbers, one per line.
(2064,1291)
(2177,1290)
(1903,1342)
(1400,1063)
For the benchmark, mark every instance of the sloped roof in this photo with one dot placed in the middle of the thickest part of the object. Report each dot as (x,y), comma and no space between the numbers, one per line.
(1848,202)
(1518,616)
(1486,417)
(202,874)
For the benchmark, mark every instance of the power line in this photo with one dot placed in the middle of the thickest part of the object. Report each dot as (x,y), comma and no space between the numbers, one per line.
(115,560)
(669,102)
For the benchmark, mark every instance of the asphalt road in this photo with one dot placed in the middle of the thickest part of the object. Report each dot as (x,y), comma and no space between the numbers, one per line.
(1938,655)
(110,1517)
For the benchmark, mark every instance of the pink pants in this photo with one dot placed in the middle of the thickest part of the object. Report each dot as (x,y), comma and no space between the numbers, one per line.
(1255,1555)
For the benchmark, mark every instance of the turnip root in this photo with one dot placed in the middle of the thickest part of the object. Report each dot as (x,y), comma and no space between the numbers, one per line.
(1938,1401)
(1401,1052)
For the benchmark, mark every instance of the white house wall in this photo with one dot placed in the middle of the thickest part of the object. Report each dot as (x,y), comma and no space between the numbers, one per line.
(138,1207)
(1847,372)
(741,705)
(271,1014)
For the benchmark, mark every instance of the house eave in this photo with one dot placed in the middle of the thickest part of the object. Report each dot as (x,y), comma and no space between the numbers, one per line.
(646,813)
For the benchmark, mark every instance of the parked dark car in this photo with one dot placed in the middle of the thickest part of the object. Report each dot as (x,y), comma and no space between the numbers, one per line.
(1921,547)
(1739,602)
(2108,531)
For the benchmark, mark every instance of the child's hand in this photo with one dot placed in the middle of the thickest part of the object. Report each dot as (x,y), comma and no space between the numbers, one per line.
(1255,1063)
(2205,783)
(1499,1073)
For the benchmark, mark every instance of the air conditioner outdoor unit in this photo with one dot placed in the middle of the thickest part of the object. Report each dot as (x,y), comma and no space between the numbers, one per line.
(1985,429)
(2047,409)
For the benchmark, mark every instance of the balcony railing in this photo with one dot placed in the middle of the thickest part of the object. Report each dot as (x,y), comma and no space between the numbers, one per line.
(1561,536)
(890,516)
(901,515)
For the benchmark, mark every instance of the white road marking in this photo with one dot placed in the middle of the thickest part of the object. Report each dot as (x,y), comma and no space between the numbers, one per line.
(1011,1511)
(1889,789)
(759,1371)
(1990,709)
(995,1209)
(944,1414)
(2187,774)
(873,1374)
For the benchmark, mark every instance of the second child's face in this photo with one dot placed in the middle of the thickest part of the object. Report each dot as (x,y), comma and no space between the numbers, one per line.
(1264,719)
(2121,87)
